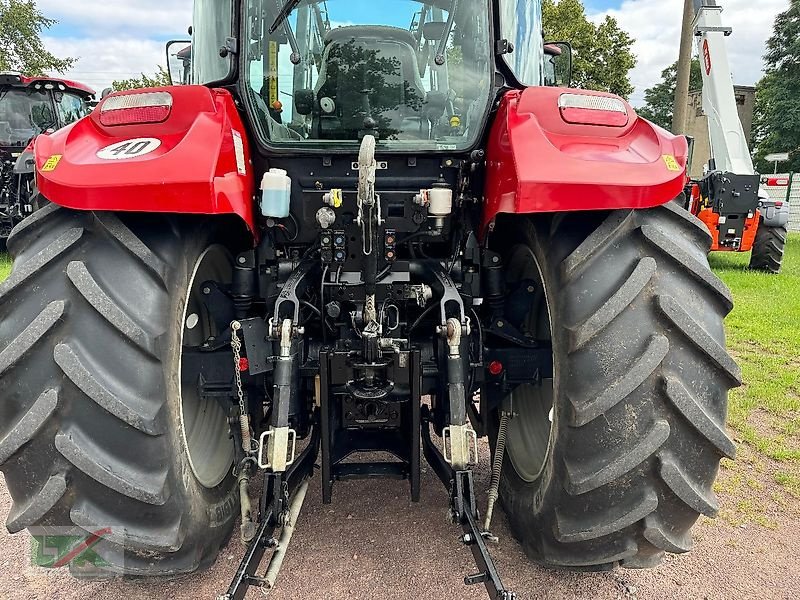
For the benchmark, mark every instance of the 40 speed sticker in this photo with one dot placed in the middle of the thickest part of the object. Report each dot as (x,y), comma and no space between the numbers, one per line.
(129,149)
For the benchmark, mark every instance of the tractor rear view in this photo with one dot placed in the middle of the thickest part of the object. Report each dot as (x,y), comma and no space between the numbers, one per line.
(359,239)
(30,106)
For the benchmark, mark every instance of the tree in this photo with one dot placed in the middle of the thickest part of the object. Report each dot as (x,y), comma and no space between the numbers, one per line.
(602,56)
(21,47)
(660,99)
(776,123)
(159,79)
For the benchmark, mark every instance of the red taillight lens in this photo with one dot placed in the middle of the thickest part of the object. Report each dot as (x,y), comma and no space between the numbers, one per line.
(778,181)
(136,109)
(585,109)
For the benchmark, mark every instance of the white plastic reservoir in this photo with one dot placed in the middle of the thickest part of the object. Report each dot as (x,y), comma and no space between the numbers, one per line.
(276,194)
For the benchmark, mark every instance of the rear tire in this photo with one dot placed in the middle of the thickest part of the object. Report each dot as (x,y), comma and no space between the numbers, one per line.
(768,249)
(91,421)
(639,394)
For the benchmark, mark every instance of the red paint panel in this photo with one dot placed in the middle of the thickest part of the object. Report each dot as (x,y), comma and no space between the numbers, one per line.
(194,169)
(536,162)
(706,57)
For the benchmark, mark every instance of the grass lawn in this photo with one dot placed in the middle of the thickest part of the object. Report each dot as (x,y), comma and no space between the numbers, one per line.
(764,336)
(5,265)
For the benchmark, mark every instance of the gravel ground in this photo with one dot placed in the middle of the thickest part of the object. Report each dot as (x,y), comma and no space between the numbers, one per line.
(373,543)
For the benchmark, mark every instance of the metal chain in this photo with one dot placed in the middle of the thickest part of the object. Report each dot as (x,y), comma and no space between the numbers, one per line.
(244,421)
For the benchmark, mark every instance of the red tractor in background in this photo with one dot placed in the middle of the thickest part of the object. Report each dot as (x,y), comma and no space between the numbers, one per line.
(30,106)
(343,240)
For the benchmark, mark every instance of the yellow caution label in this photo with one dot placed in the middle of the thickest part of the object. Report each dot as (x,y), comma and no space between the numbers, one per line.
(272,72)
(336,198)
(671,163)
(51,163)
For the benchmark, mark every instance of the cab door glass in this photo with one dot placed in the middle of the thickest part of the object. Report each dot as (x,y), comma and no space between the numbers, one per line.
(71,108)
(521,24)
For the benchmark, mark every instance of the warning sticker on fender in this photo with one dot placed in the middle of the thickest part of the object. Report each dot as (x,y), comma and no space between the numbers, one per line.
(51,163)
(671,163)
(238,147)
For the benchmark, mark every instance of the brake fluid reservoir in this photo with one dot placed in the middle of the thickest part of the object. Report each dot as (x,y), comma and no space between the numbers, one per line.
(276,194)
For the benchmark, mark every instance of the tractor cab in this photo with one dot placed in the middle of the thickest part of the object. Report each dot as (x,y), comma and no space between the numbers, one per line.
(28,108)
(416,75)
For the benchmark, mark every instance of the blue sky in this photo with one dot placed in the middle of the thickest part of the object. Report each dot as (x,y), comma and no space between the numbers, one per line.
(120,38)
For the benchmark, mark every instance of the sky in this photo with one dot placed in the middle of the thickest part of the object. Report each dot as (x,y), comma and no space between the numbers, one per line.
(118,39)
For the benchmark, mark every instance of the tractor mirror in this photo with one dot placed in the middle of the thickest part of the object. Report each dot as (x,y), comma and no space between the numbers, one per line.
(304,102)
(106,92)
(179,62)
(558,63)
(434,30)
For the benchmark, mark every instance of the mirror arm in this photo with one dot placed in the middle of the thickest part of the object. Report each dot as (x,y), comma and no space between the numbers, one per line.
(448,29)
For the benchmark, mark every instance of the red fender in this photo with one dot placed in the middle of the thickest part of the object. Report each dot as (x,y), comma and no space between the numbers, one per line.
(537,161)
(194,170)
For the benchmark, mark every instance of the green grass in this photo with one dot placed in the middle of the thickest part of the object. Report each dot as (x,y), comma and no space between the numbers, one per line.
(764,336)
(5,265)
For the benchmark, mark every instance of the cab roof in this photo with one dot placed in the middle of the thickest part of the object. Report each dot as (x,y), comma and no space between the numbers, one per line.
(8,78)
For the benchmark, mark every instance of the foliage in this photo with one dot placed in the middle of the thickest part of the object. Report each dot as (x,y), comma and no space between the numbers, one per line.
(602,56)
(159,79)
(660,99)
(776,122)
(21,47)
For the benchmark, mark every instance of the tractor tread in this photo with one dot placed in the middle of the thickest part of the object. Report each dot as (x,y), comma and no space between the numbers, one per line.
(87,364)
(27,228)
(618,225)
(114,226)
(701,339)
(88,287)
(701,272)
(699,229)
(86,515)
(29,425)
(31,335)
(598,321)
(39,504)
(28,269)
(571,530)
(602,559)
(581,481)
(136,411)
(642,385)
(657,534)
(697,416)
(674,476)
(79,449)
(640,371)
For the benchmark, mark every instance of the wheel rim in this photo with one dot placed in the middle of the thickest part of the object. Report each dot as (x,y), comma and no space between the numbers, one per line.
(530,429)
(204,425)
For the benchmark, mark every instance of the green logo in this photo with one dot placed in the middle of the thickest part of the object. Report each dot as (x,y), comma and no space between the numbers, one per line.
(51,550)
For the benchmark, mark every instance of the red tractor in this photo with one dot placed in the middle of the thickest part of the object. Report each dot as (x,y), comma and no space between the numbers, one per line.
(342,241)
(30,106)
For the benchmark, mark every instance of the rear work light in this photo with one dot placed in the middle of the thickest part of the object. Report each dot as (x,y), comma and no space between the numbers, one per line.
(583,109)
(136,109)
